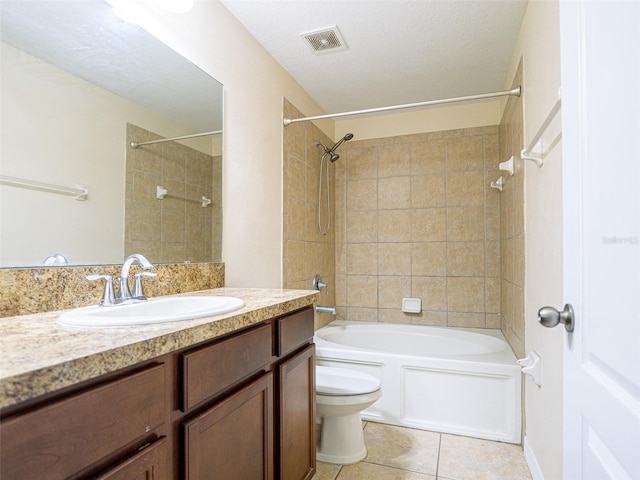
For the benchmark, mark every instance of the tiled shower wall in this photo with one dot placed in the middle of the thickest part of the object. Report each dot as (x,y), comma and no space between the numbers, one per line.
(177,228)
(416,217)
(512,235)
(305,251)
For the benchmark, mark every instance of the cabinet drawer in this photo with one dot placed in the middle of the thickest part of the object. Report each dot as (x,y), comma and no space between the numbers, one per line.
(59,439)
(211,369)
(293,331)
(149,463)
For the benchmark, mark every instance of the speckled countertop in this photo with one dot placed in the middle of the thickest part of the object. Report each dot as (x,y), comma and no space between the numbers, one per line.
(38,355)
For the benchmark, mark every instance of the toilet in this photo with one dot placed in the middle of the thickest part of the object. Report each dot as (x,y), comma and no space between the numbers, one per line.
(341,395)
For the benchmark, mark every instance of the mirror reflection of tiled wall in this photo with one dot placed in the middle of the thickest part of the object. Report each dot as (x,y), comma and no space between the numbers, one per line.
(177,228)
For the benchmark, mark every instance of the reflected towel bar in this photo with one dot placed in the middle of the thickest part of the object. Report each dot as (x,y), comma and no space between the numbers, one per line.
(79,192)
(162,192)
(171,139)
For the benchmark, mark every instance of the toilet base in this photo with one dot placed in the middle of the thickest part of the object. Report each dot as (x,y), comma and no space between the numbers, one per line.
(341,440)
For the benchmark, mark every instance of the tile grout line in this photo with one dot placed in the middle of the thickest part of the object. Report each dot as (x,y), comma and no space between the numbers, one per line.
(438,459)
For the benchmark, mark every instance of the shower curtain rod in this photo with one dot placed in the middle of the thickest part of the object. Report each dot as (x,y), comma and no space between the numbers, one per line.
(138,144)
(515,91)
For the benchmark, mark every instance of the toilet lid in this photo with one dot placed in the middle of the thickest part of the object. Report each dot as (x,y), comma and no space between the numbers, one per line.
(342,381)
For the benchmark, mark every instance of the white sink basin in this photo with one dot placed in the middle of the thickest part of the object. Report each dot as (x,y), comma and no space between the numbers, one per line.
(155,310)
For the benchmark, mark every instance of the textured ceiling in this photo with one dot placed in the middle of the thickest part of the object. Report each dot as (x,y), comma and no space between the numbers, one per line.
(399,51)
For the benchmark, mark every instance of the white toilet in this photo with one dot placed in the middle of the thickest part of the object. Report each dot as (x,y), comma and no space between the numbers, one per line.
(341,395)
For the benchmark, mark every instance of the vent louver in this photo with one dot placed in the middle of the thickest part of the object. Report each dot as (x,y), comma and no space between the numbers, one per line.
(326,40)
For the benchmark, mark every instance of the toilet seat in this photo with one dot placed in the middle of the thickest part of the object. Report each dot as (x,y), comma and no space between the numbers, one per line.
(332,381)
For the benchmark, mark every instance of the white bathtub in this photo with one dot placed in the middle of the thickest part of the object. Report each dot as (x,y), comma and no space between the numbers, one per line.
(460,381)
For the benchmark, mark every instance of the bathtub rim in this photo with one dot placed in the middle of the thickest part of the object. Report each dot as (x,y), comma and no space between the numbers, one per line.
(504,357)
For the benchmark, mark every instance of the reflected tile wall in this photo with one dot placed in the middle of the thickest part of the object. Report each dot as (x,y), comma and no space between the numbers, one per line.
(305,251)
(176,228)
(512,236)
(416,217)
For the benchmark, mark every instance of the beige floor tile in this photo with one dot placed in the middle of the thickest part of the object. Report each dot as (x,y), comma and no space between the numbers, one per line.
(464,458)
(326,471)
(368,471)
(405,448)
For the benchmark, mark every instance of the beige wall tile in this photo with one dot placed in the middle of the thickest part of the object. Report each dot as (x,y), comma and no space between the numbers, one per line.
(465,224)
(391,291)
(434,319)
(465,294)
(362,194)
(361,163)
(465,189)
(428,191)
(362,291)
(466,320)
(359,314)
(429,225)
(394,259)
(295,179)
(394,315)
(492,292)
(394,193)
(465,153)
(362,258)
(428,157)
(465,259)
(362,226)
(412,216)
(429,259)
(432,291)
(394,225)
(394,160)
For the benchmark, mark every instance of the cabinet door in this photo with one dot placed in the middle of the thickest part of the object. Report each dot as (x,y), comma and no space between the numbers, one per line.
(297,416)
(149,463)
(61,439)
(233,440)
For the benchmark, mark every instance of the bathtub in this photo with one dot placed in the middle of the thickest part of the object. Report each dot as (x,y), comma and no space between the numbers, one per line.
(451,380)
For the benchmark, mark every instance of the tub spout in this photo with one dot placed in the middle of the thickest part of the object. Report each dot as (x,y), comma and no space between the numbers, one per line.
(331,310)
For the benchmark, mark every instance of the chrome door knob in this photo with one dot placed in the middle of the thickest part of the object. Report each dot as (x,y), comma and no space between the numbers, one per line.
(551,317)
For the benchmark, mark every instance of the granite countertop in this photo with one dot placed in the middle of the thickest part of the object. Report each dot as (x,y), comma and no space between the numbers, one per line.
(38,355)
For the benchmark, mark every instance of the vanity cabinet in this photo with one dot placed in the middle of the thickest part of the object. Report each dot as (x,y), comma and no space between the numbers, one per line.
(71,437)
(241,406)
(233,438)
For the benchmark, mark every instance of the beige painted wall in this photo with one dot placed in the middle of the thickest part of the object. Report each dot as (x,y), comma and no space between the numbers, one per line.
(539,46)
(432,119)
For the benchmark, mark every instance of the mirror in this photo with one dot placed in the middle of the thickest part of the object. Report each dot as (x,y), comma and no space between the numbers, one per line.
(78,85)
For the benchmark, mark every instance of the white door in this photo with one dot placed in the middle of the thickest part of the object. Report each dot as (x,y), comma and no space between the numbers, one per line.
(601,210)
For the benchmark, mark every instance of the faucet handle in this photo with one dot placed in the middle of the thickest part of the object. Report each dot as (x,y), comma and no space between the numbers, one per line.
(108,297)
(318,284)
(137,284)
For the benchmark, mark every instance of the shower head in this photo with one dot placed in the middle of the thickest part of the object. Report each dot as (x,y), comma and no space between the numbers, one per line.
(346,138)
(333,156)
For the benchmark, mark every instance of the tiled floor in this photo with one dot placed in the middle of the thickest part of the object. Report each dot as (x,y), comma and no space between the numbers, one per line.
(397,453)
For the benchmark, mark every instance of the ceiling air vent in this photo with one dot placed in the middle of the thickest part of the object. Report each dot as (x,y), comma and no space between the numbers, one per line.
(326,40)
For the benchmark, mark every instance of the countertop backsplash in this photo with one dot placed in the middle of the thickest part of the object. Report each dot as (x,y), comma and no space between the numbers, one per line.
(25,291)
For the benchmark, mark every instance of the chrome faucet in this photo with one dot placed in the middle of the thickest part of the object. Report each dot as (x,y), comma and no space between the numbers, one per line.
(125,292)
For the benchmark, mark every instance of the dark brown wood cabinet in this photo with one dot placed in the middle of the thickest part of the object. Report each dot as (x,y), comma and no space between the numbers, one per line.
(297,416)
(234,438)
(237,407)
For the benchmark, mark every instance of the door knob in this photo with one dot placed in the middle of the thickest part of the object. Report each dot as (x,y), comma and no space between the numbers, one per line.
(550,317)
